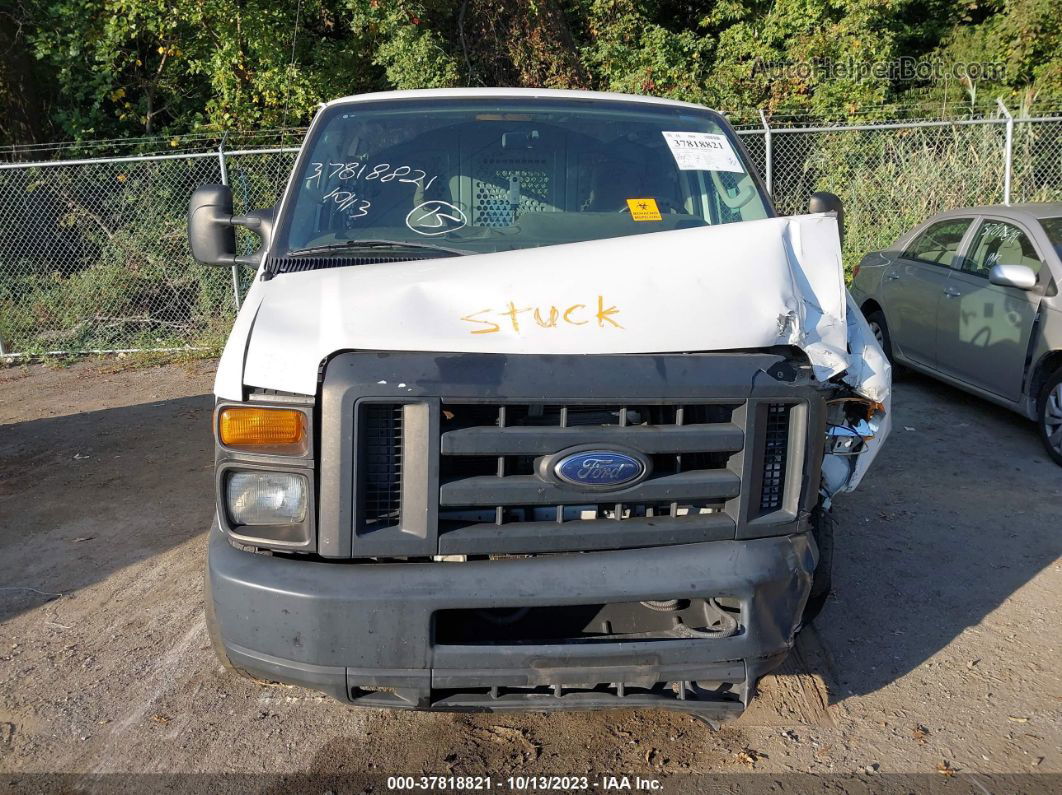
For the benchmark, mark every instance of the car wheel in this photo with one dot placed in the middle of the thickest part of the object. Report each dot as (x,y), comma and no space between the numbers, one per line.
(1051,416)
(822,525)
(876,321)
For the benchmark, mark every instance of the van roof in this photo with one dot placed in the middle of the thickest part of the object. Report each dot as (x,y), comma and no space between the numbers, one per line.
(547,93)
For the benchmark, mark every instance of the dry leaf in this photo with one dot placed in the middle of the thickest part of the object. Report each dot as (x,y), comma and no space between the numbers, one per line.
(920,733)
(945,769)
(158,717)
(1017,719)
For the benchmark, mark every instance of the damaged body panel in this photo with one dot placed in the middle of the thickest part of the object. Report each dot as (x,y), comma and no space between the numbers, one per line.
(548,415)
(777,281)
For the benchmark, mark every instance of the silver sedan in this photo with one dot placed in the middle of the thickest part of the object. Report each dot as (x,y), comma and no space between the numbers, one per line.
(971,297)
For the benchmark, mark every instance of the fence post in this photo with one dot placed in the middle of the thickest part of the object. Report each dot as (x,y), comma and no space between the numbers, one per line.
(223,166)
(1008,163)
(766,152)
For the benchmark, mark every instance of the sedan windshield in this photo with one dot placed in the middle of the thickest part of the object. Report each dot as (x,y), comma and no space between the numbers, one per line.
(471,176)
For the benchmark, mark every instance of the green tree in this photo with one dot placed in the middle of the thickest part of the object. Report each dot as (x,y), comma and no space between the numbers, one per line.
(102,68)
(148,66)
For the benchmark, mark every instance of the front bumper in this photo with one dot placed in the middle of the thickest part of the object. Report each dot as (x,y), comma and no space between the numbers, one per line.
(363,632)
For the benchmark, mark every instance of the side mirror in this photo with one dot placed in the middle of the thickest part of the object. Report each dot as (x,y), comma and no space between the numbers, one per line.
(823,202)
(212,227)
(210,232)
(1021,276)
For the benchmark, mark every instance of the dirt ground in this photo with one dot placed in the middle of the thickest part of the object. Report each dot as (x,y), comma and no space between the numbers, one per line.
(937,655)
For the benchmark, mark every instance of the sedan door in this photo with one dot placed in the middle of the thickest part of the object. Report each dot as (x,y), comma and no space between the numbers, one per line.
(984,329)
(913,288)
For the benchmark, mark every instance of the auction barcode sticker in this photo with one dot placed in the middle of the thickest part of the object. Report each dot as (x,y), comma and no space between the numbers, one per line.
(696,151)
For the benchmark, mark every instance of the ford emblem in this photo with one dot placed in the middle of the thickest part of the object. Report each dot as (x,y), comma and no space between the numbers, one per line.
(601,469)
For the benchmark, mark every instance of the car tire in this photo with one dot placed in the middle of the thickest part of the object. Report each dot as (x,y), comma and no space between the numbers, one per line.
(822,526)
(1050,416)
(876,321)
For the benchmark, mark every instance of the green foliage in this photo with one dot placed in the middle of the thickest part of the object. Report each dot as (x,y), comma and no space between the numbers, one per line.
(1025,36)
(883,195)
(405,44)
(107,68)
(628,51)
(123,67)
(113,270)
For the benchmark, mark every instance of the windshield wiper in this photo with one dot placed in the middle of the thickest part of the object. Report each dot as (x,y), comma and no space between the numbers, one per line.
(350,244)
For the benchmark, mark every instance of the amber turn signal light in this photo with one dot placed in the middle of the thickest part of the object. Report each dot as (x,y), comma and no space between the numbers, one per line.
(260,430)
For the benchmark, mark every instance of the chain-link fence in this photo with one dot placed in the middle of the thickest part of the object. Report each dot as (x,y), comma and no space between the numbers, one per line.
(892,177)
(94,253)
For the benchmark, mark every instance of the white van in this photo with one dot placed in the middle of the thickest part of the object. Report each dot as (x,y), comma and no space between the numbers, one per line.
(534,403)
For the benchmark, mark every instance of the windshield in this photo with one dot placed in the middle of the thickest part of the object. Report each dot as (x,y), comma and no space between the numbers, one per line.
(1053,227)
(476,176)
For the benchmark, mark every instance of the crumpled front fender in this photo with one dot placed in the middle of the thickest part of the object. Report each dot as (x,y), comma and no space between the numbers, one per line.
(869,374)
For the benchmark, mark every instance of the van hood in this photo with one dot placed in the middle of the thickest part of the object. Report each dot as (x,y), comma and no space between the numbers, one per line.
(755,284)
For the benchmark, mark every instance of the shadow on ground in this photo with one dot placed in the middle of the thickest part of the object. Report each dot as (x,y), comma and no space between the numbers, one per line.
(84,495)
(959,512)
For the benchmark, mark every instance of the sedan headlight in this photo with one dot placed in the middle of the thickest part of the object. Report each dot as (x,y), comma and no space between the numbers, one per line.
(266,498)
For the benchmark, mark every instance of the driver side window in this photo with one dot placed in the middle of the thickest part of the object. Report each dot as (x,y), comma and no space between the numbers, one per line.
(938,244)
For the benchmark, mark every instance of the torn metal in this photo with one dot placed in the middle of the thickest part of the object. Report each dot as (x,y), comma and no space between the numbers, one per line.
(869,375)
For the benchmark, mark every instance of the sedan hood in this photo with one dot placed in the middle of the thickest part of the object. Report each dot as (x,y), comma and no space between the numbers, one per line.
(756,284)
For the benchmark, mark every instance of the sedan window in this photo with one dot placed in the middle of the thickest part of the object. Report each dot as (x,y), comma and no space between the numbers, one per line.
(1053,227)
(1000,243)
(939,244)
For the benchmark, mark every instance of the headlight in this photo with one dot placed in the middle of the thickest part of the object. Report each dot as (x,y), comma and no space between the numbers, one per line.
(266,498)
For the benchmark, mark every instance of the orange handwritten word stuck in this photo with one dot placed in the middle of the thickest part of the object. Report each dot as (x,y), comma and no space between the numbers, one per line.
(519,318)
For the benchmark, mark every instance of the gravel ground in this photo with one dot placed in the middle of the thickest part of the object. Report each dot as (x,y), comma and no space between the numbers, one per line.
(937,655)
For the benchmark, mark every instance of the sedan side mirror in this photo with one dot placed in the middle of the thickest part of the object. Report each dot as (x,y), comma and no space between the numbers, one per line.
(212,227)
(1021,276)
(824,202)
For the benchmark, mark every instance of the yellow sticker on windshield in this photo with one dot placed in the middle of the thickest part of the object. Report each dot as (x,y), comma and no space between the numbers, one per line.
(644,210)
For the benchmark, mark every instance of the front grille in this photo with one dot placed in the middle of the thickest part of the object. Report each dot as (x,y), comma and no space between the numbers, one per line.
(381,465)
(490,455)
(775,453)
(454,454)
(717,699)
(589,624)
